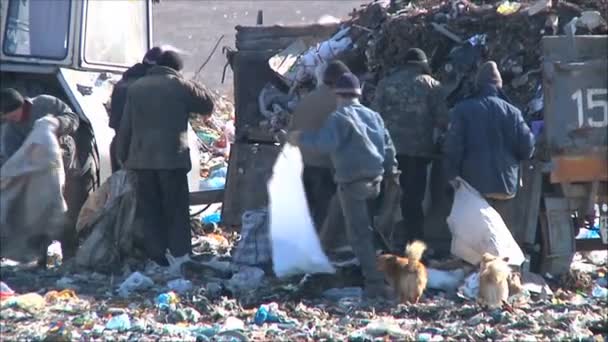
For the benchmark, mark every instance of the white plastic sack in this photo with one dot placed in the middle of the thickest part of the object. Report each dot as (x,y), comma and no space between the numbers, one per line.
(31,192)
(194,175)
(477,228)
(295,246)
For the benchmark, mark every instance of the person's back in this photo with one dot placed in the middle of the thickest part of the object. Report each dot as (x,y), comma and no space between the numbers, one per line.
(360,154)
(487,140)
(159,104)
(411,106)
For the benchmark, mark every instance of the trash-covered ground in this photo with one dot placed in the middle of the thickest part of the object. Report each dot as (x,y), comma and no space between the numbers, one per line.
(212,299)
(215,134)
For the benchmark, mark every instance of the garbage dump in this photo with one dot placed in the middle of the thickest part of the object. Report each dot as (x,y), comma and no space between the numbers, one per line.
(215,134)
(456,35)
(225,294)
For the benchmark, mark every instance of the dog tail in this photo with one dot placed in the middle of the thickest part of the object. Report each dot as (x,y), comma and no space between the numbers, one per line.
(413,252)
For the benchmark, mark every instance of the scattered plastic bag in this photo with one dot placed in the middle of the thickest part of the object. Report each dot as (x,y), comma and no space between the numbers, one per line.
(267,314)
(477,228)
(508,8)
(233,323)
(54,255)
(180,285)
(5,291)
(444,280)
(135,281)
(121,322)
(295,246)
(470,289)
(167,301)
(385,327)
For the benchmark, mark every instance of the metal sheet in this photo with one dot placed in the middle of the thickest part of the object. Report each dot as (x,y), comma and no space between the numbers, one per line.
(575,78)
(92,106)
(249,170)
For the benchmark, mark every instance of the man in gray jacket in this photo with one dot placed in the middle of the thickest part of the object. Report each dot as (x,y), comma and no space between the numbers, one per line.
(361,152)
(153,141)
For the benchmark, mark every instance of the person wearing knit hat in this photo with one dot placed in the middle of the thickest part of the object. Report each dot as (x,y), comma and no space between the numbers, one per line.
(412,103)
(119,95)
(415,56)
(488,74)
(152,143)
(362,153)
(309,114)
(487,140)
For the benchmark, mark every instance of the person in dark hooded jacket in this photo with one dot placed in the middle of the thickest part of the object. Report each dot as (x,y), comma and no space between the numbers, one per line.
(119,95)
(487,140)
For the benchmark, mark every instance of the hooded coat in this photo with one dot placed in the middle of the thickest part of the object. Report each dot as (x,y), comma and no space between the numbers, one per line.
(488,139)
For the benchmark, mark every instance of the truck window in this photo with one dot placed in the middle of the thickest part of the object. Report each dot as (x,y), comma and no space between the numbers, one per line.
(116,32)
(37,29)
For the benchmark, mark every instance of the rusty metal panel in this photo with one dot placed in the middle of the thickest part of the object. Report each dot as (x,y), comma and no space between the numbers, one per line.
(579,169)
(251,74)
(575,72)
(557,231)
(249,169)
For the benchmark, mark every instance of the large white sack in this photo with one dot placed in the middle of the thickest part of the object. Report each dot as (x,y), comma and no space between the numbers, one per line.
(295,246)
(477,228)
(31,193)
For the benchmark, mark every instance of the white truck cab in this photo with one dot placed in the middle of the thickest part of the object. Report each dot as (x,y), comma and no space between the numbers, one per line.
(75,50)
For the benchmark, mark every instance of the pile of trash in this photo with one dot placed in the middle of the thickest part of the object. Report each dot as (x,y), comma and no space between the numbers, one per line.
(221,301)
(456,35)
(215,134)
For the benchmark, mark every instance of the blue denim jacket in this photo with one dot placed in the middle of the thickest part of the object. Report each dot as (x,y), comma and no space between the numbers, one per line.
(357,142)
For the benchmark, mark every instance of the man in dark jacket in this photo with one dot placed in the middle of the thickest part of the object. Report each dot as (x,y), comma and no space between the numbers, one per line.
(18,117)
(153,141)
(411,103)
(361,151)
(119,95)
(487,140)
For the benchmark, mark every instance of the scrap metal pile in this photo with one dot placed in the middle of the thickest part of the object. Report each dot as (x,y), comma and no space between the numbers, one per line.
(457,35)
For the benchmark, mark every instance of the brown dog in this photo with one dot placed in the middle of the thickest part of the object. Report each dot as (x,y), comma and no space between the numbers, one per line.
(407,275)
(494,276)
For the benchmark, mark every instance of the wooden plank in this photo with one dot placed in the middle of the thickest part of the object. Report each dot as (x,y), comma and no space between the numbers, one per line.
(590,245)
(579,169)
(206,197)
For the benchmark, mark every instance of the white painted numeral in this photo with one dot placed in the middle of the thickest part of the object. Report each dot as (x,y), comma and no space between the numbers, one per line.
(591,104)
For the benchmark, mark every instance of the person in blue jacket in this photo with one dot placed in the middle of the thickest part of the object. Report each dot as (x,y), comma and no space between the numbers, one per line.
(487,139)
(362,153)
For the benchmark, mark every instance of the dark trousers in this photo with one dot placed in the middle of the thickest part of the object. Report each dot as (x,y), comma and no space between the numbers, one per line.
(413,186)
(76,191)
(162,205)
(319,187)
(113,156)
